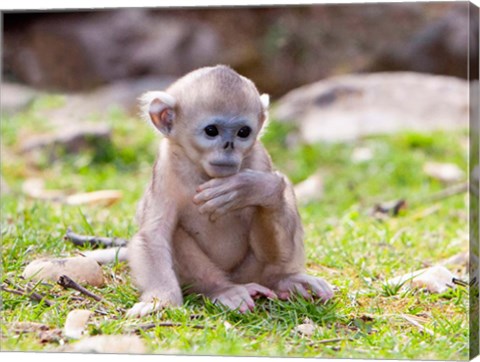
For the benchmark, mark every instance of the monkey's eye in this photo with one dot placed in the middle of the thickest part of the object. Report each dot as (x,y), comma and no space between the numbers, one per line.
(244,132)
(211,130)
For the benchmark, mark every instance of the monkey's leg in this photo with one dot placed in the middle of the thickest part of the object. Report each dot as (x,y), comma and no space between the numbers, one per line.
(277,240)
(198,272)
(151,261)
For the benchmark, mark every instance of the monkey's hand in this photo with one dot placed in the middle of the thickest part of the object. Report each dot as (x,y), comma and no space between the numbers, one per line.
(240,297)
(307,286)
(246,188)
(153,302)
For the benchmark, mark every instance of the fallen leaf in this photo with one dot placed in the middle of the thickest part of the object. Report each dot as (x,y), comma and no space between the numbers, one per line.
(81,269)
(45,334)
(110,344)
(445,172)
(50,335)
(310,190)
(35,188)
(104,197)
(415,322)
(26,327)
(76,323)
(307,328)
(436,279)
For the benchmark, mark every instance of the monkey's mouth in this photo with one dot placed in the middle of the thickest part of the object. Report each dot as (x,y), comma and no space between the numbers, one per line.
(222,169)
(224,164)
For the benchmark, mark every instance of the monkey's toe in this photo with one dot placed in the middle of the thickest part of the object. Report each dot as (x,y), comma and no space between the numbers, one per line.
(257,290)
(142,309)
(307,286)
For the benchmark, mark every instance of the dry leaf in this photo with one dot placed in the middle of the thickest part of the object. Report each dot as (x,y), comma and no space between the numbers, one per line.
(110,344)
(44,333)
(81,269)
(445,172)
(26,327)
(309,190)
(416,323)
(307,328)
(35,188)
(436,279)
(76,323)
(103,197)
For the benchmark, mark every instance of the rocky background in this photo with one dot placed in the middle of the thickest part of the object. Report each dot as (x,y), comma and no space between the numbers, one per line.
(373,68)
(280,48)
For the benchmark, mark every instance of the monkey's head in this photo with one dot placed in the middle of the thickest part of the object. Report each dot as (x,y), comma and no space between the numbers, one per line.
(214,115)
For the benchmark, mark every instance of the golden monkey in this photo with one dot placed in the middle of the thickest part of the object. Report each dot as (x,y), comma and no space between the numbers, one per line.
(216,217)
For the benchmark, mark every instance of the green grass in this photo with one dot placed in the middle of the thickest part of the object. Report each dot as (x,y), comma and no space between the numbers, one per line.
(344,244)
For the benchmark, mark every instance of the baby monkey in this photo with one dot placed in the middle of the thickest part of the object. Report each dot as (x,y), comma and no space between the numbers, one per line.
(216,218)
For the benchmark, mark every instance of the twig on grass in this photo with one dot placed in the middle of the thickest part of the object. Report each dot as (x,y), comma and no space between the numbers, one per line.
(446,193)
(459,282)
(145,327)
(93,241)
(66,282)
(29,293)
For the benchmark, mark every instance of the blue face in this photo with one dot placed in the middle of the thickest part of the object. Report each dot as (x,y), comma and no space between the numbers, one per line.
(224,141)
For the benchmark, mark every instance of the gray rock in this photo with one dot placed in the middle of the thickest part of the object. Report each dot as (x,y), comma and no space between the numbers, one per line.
(353,106)
(122,95)
(442,46)
(74,51)
(279,47)
(71,138)
(15,97)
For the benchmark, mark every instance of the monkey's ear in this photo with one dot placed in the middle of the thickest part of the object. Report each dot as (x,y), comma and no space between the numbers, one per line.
(158,107)
(265,99)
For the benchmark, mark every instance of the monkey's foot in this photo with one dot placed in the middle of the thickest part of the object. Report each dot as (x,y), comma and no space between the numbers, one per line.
(141,309)
(152,303)
(307,286)
(240,297)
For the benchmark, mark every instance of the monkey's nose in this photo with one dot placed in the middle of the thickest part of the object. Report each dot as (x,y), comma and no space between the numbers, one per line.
(228,144)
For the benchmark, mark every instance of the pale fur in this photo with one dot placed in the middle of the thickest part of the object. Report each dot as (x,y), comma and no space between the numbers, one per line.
(229,237)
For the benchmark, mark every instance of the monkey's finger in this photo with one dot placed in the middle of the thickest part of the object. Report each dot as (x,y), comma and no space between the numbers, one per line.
(255,289)
(213,183)
(322,289)
(300,289)
(220,211)
(209,194)
(219,205)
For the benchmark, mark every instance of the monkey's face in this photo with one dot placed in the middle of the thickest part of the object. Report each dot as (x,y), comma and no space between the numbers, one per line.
(221,143)
(214,114)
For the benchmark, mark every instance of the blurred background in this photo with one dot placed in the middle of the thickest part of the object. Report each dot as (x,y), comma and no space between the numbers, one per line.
(280,48)
(369,119)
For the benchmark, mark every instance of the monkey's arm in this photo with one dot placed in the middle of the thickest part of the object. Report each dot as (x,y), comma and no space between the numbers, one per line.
(246,188)
(151,261)
(276,232)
